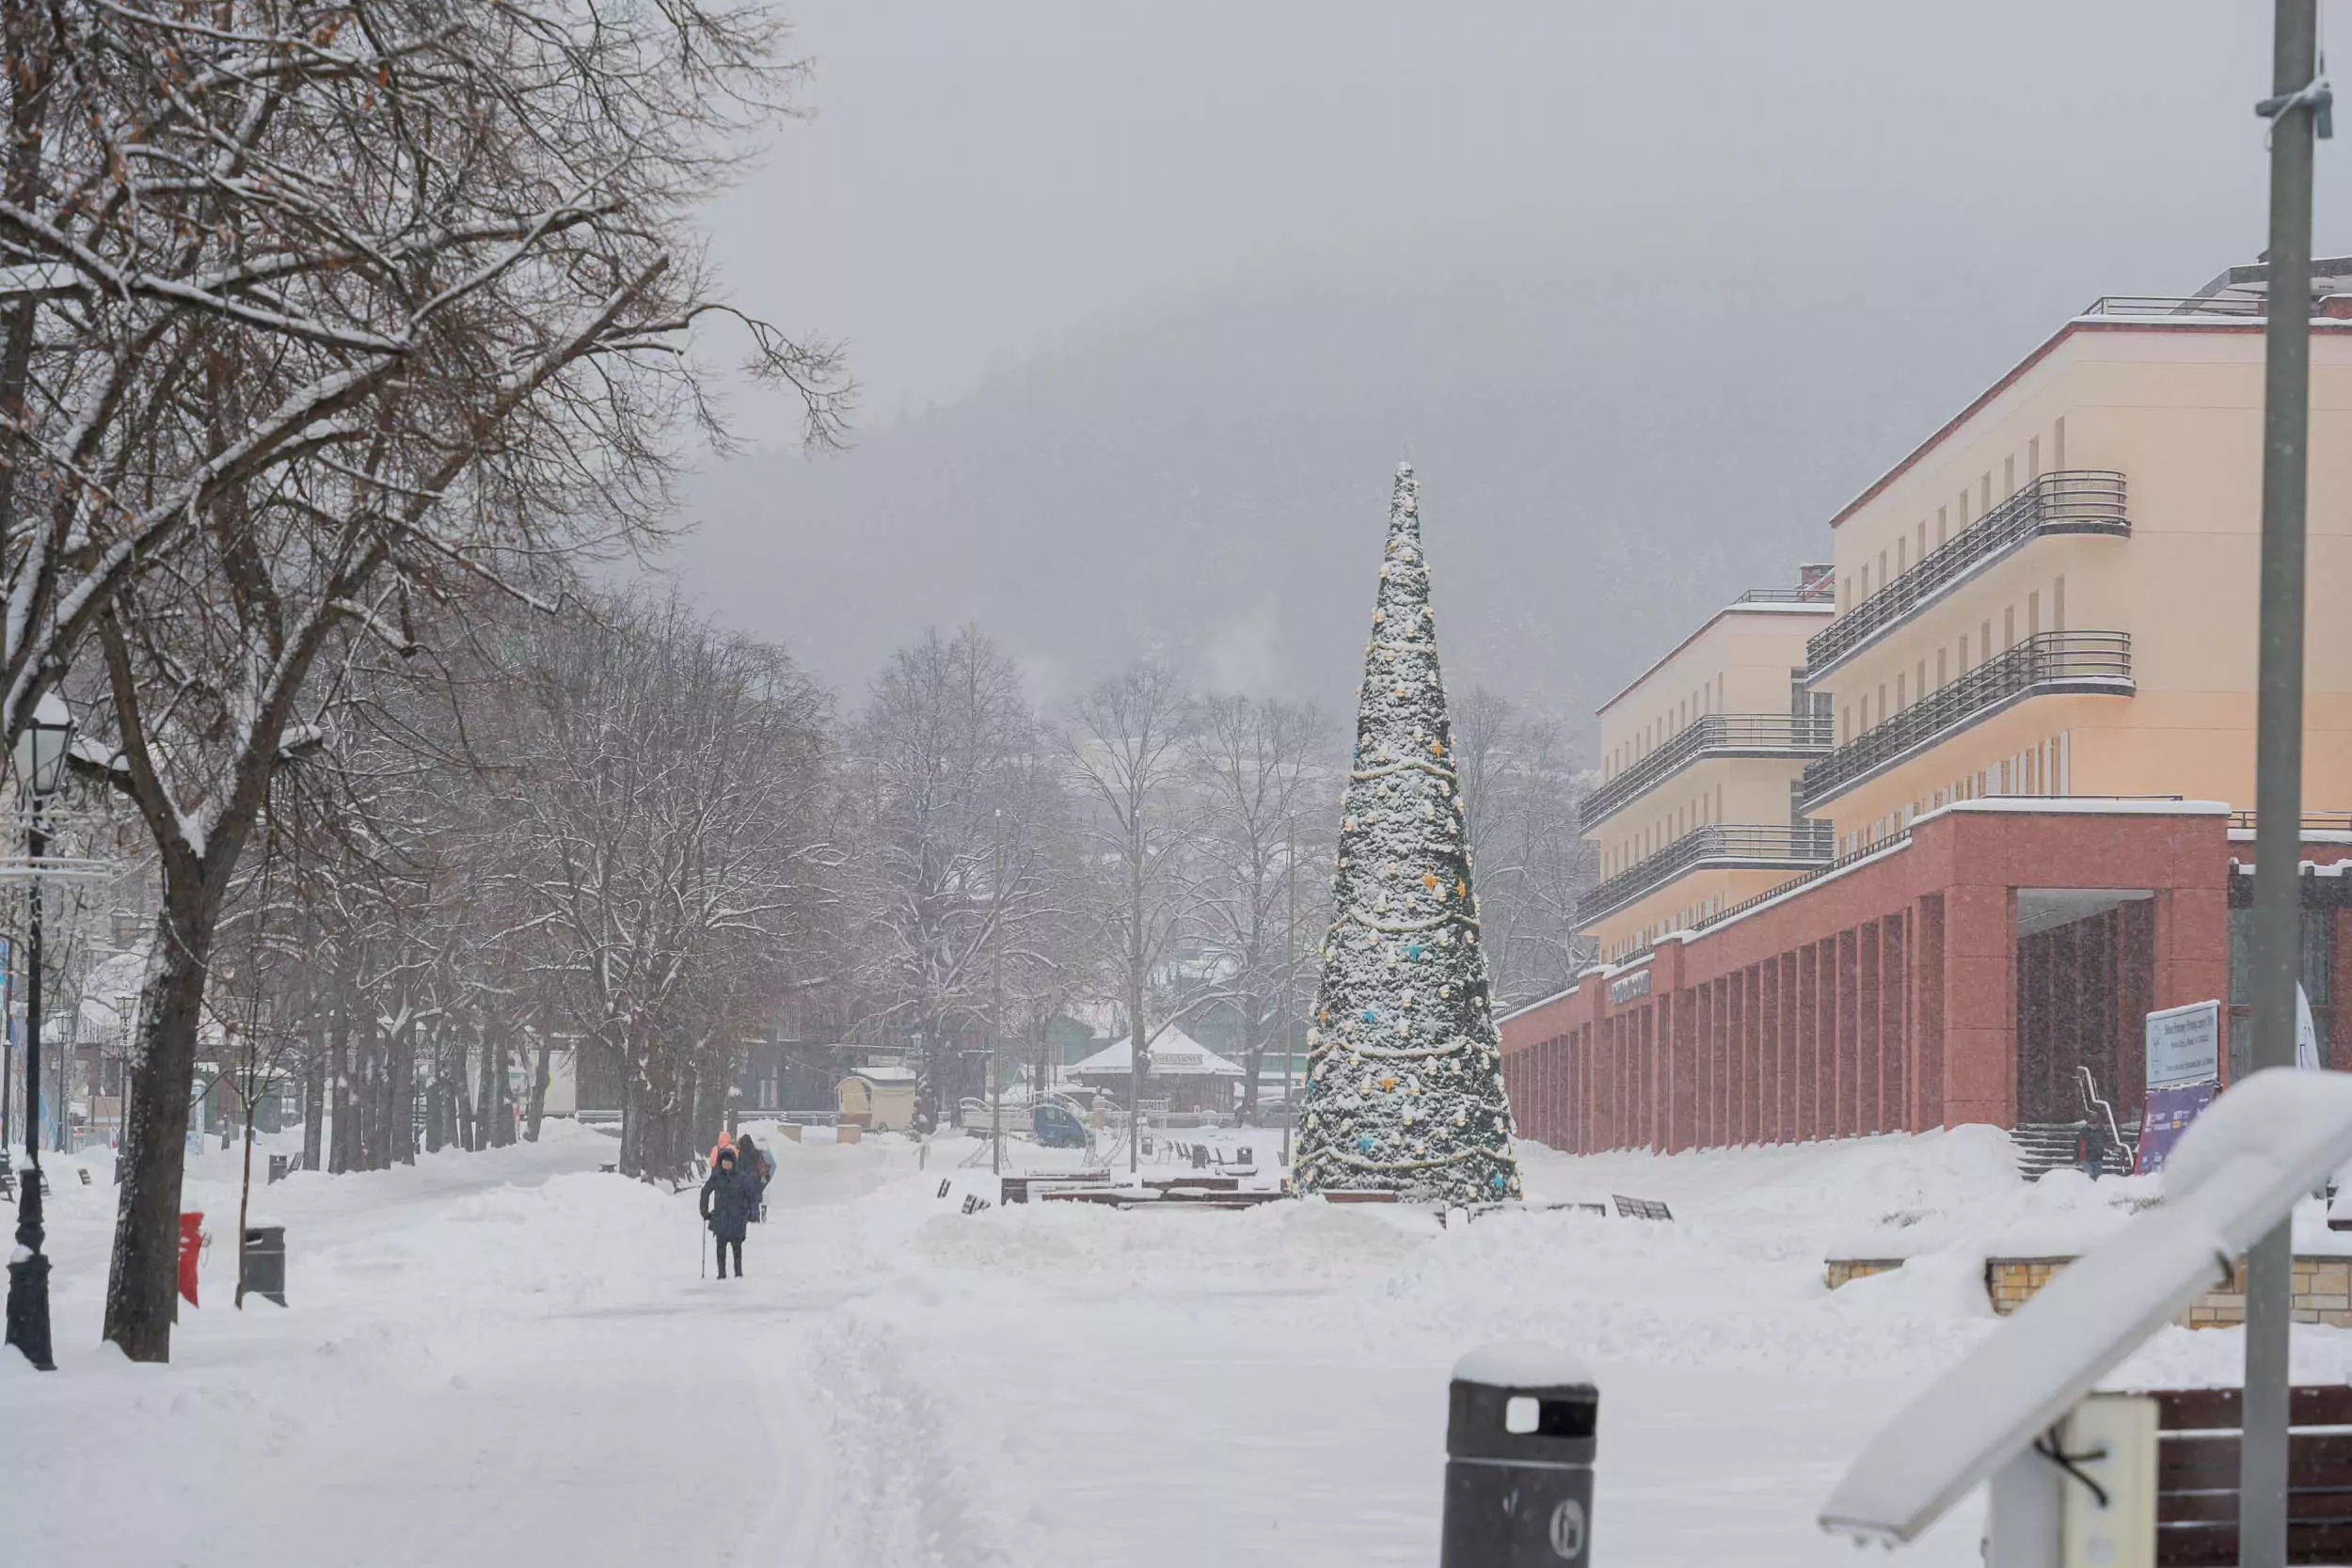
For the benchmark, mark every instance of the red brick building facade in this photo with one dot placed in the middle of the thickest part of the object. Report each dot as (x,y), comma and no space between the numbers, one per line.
(1961,971)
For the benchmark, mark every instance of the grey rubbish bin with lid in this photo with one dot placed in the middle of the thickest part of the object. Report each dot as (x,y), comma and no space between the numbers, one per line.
(265,1262)
(276,1169)
(1519,1470)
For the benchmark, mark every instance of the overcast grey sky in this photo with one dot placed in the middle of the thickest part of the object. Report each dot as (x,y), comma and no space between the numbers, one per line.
(1163,288)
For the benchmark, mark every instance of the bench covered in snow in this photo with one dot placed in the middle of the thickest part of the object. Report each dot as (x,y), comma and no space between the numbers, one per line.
(2196,1475)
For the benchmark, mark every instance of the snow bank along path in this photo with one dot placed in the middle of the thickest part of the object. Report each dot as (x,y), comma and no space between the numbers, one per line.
(509,1360)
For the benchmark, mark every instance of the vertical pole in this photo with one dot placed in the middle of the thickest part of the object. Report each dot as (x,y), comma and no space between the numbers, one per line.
(996,1002)
(37,842)
(1290,979)
(29,1271)
(2278,751)
(7,1043)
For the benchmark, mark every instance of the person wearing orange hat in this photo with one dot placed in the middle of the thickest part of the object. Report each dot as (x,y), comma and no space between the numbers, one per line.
(730,1199)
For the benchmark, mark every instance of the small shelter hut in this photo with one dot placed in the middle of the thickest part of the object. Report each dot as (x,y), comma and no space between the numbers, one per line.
(1191,1076)
(879,1097)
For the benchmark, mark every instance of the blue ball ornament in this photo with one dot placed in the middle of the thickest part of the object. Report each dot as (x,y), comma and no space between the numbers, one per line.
(1497,1182)
(1364,1144)
(1372,1015)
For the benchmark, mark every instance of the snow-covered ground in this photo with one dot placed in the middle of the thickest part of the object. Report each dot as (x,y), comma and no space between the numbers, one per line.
(510,1359)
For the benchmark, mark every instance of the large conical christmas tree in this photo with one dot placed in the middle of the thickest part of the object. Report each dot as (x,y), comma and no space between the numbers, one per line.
(1405,1069)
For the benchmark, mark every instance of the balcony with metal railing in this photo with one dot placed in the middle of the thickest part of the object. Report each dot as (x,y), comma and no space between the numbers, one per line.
(1717,735)
(2050,663)
(2071,500)
(1719,846)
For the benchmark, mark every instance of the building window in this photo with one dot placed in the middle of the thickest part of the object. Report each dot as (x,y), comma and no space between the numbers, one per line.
(2033,457)
(1984,494)
(2057,443)
(1903,548)
(1920,684)
(2033,613)
(2009,627)
(1901,700)
(2318,931)
(1923,539)
(2008,475)
(2057,603)
(1940,532)
(1984,641)
(1939,662)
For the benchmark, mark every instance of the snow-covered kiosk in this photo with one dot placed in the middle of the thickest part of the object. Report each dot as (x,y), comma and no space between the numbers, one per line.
(879,1098)
(1193,1077)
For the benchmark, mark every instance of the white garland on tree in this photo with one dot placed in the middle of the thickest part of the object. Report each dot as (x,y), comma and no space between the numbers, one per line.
(1404,1089)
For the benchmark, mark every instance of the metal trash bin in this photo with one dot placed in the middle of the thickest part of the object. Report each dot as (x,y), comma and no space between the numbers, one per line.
(265,1262)
(1520,1433)
(276,1169)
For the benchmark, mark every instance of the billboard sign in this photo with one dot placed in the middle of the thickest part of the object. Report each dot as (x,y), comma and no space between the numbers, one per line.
(2184,1046)
(2169,1114)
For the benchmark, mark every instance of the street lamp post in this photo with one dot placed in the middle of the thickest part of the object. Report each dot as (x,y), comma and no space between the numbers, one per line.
(40,759)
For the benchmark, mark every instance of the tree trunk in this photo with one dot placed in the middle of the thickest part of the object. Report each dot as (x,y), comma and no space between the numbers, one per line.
(1253,1056)
(632,1117)
(143,1275)
(437,1096)
(314,1104)
(503,1123)
(344,1154)
(461,1100)
(484,1095)
(399,1100)
(538,1105)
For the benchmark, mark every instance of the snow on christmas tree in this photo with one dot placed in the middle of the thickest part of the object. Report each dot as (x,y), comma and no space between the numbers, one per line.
(1405,1069)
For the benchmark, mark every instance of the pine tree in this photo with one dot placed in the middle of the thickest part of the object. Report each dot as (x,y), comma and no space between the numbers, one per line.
(1405,1068)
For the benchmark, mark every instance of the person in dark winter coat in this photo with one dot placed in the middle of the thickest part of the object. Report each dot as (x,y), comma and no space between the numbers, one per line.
(729,1200)
(756,1168)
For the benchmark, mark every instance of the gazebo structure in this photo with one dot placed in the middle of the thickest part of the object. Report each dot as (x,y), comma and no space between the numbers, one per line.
(1189,1074)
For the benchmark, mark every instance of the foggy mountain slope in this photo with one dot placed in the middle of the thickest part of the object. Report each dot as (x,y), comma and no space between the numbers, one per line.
(1605,459)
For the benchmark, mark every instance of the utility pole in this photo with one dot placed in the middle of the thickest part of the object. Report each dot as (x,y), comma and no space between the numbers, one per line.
(996,1001)
(1290,978)
(2297,110)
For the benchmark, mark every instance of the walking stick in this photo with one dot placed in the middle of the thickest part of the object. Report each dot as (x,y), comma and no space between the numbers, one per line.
(702,1252)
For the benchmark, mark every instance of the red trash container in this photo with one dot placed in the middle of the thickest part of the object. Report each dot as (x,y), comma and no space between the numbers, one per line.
(191,1243)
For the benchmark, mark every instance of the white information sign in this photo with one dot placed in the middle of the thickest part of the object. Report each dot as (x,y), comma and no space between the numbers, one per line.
(2185,1045)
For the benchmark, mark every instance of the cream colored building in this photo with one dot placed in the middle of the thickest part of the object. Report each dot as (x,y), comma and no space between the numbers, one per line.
(2056,593)
(1701,763)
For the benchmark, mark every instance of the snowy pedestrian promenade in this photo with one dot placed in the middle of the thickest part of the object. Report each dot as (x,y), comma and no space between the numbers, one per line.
(509,1360)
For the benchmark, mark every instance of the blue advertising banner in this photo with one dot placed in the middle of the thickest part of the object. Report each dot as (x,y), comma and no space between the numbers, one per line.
(2170,1112)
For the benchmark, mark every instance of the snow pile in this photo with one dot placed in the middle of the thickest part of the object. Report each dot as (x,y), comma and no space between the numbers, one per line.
(510,1357)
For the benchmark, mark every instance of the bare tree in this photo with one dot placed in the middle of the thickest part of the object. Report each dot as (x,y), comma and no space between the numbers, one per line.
(1128,756)
(1521,794)
(1261,769)
(668,799)
(959,861)
(356,303)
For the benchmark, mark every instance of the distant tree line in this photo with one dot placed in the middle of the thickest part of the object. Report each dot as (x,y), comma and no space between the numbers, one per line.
(341,345)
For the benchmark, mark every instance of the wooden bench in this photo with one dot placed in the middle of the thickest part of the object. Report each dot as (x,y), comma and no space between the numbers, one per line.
(1214,1184)
(1185,1196)
(2196,1476)
(1020,1189)
(1479,1210)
